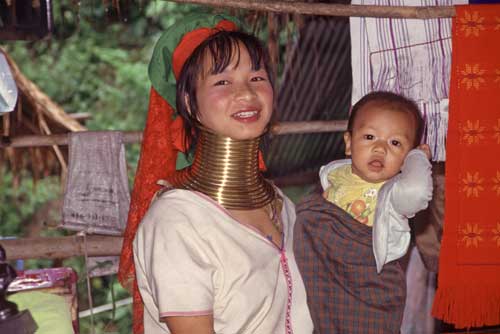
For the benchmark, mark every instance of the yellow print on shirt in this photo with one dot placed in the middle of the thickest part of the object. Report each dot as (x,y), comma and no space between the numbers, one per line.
(353,194)
(362,209)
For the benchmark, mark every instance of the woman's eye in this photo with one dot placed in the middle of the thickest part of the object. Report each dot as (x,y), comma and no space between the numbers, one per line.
(221,83)
(258,78)
(395,143)
(368,137)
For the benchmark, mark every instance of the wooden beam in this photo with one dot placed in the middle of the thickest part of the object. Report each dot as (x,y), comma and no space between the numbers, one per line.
(60,139)
(81,116)
(330,9)
(285,128)
(136,136)
(61,247)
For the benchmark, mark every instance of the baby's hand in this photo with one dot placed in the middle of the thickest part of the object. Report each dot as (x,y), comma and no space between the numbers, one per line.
(426,149)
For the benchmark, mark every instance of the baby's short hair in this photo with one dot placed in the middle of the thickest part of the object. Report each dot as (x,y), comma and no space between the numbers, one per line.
(395,102)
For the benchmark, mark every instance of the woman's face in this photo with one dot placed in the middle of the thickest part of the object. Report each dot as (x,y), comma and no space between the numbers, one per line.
(237,102)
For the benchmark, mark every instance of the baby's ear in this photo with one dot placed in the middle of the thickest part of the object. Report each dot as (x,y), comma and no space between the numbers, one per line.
(347,141)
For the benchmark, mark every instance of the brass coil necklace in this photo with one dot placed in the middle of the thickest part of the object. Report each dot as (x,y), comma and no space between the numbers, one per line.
(227,170)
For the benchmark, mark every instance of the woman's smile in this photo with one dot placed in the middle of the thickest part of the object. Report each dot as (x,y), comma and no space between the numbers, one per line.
(246,116)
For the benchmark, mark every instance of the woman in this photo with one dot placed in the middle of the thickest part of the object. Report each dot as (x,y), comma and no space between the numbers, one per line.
(214,251)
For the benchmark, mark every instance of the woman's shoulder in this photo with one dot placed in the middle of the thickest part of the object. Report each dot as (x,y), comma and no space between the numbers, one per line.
(178,208)
(177,218)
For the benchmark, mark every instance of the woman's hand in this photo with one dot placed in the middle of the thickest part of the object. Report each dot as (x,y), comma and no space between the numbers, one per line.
(426,149)
(203,324)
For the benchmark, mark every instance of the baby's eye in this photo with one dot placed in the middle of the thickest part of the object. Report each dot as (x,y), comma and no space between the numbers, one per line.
(395,143)
(221,83)
(368,137)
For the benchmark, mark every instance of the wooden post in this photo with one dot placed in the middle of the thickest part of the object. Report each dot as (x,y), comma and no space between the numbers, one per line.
(6,125)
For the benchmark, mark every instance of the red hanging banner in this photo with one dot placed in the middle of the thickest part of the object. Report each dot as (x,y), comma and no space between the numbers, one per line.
(469,271)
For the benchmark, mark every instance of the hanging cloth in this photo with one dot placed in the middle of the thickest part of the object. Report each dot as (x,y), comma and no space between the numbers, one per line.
(410,57)
(97,196)
(468,292)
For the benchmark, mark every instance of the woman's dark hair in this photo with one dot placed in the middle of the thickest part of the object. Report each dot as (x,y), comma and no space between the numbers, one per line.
(221,48)
(394,102)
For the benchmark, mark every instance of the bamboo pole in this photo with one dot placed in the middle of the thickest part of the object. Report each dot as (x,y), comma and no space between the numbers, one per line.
(136,136)
(330,9)
(61,247)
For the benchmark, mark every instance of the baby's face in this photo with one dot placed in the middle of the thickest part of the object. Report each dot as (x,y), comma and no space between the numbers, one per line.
(380,140)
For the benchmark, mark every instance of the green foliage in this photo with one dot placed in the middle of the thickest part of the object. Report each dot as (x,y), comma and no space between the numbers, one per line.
(88,75)
(19,203)
(165,13)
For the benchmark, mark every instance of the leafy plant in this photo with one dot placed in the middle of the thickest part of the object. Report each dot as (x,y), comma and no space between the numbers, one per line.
(20,203)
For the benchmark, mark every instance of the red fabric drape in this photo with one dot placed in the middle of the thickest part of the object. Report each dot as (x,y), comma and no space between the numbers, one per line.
(469,272)
(157,161)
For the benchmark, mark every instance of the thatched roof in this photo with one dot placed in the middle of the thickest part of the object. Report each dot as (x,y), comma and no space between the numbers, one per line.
(35,114)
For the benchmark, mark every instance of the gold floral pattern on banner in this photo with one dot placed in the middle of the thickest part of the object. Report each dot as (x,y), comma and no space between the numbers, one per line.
(496,183)
(472,184)
(472,132)
(473,76)
(472,24)
(496,235)
(472,235)
(497,75)
(496,131)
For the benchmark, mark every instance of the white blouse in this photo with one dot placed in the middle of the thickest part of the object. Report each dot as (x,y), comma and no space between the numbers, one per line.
(192,258)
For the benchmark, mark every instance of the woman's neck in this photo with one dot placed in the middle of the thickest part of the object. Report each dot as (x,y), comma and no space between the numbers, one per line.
(227,170)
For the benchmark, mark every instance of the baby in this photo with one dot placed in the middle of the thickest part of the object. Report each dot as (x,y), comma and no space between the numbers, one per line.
(382,130)
(346,251)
